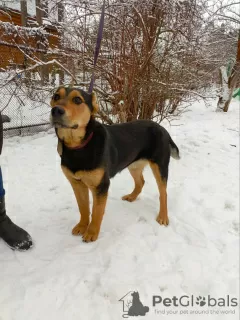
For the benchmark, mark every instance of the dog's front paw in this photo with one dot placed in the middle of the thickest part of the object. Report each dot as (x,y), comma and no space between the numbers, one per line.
(79,229)
(129,197)
(91,234)
(163,220)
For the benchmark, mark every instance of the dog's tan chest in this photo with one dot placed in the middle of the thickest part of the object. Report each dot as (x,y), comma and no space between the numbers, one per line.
(90,178)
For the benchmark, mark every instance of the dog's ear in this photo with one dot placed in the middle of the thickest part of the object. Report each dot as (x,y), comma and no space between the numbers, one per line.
(94,103)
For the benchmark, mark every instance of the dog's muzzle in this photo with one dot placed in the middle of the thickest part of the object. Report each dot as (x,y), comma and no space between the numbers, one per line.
(57,112)
(57,119)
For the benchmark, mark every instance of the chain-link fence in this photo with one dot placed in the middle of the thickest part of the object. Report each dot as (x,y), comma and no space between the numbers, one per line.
(23,96)
(26,106)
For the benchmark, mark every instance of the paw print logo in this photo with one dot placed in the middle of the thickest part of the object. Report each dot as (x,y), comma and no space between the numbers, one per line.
(201,301)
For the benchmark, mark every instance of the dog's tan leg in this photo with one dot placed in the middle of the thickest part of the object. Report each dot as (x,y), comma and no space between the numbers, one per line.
(162,217)
(82,196)
(136,170)
(99,204)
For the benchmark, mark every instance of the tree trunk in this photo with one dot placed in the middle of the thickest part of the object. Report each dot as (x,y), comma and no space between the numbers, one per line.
(24,13)
(228,84)
(44,70)
(227,103)
(60,7)
(224,96)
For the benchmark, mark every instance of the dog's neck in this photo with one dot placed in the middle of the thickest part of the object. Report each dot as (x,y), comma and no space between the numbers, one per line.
(74,138)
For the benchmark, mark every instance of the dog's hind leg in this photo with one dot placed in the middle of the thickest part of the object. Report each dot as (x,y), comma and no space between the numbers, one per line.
(136,170)
(161,179)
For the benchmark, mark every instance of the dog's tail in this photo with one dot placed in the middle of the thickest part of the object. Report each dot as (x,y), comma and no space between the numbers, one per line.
(174,149)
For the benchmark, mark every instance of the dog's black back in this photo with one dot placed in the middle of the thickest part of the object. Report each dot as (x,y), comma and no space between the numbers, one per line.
(115,147)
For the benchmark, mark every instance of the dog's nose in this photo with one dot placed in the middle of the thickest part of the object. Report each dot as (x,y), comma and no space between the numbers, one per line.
(57,111)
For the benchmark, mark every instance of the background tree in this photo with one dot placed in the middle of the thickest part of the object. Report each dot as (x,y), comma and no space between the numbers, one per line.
(156,56)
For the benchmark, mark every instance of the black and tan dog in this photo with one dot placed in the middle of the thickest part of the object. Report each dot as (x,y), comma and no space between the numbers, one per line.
(92,153)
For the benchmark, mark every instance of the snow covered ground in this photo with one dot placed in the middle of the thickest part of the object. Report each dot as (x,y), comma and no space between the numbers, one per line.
(197,254)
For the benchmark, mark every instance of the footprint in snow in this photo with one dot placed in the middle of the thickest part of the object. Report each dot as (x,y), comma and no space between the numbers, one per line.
(194,143)
(235,226)
(229,206)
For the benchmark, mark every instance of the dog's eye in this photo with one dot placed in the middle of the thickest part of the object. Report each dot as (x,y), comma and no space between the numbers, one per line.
(77,100)
(56,97)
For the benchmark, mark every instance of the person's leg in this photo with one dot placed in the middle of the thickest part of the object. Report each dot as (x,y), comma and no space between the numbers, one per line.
(15,237)
(2,191)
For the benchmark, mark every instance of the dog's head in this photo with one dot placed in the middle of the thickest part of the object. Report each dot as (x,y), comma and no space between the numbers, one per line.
(72,108)
(135,295)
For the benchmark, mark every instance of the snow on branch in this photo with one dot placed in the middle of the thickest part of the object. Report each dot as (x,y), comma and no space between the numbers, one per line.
(37,65)
(10,28)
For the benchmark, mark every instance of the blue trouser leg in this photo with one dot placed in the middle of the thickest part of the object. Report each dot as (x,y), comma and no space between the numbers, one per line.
(2,191)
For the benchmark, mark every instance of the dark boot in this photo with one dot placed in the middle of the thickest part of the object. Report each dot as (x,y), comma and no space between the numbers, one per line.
(15,237)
